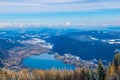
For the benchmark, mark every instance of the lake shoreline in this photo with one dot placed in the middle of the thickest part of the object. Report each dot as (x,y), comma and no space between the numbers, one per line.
(18,54)
(15,61)
(49,60)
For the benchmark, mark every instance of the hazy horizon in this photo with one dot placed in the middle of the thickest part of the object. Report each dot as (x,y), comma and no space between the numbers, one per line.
(63,12)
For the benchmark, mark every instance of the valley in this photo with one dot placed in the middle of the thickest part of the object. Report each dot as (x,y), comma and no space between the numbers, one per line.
(69,46)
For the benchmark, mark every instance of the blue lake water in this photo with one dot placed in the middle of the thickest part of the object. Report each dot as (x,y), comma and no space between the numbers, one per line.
(45,61)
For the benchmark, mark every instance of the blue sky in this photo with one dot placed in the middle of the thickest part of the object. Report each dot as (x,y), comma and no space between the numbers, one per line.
(60,11)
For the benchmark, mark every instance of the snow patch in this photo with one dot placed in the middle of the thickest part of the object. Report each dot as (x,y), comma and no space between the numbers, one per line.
(93,38)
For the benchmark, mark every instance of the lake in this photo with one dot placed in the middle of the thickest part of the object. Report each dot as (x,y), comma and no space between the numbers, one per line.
(45,61)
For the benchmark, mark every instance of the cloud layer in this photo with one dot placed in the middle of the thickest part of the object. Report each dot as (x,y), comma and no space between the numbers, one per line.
(13,6)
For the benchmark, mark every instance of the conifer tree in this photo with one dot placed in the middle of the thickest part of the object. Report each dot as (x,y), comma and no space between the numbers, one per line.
(110,75)
(117,60)
(85,74)
(101,71)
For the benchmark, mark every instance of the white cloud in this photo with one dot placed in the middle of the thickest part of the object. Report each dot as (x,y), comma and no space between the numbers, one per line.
(56,5)
(67,24)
